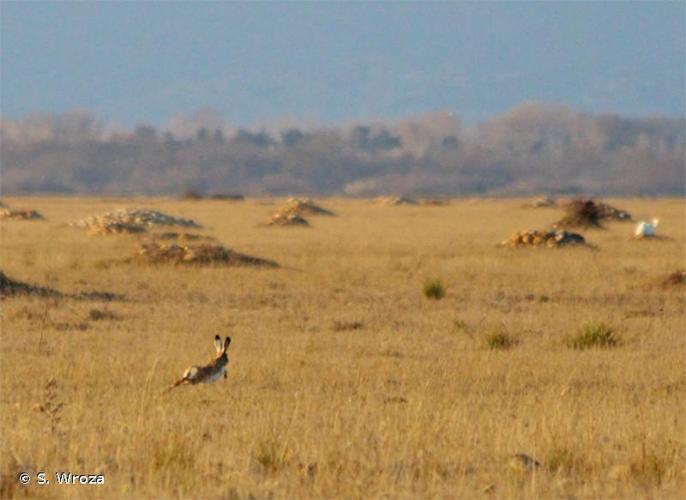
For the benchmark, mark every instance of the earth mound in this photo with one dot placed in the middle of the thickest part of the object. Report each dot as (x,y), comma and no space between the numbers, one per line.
(203,254)
(549,239)
(131,221)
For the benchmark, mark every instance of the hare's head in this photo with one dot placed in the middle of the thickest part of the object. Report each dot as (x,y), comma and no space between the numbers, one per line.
(221,346)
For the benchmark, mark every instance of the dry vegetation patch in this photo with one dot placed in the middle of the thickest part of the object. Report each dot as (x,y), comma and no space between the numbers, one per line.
(344,381)
(10,287)
(675,279)
(203,254)
(436,202)
(589,214)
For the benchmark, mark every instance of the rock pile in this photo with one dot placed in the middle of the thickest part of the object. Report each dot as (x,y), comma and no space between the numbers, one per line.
(581,213)
(542,202)
(280,218)
(173,235)
(204,254)
(589,214)
(131,221)
(435,202)
(395,201)
(291,214)
(550,239)
(304,206)
(14,213)
(611,213)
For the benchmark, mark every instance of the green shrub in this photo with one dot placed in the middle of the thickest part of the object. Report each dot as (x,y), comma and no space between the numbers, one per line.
(593,336)
(499,340)
(434,290)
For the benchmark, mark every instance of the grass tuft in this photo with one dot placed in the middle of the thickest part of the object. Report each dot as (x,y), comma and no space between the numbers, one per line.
(271,456)
(434,290)
(500,341)
(344,326)
(173,454)
(594,335)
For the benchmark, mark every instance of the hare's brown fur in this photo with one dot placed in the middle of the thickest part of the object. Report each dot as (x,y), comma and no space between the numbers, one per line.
(210,372)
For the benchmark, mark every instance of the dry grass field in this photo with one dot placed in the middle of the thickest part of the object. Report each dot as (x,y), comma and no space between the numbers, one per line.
(345,381)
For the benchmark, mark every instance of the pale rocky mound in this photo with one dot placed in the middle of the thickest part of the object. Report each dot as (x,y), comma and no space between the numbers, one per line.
(14,213)
(395,201)
(304,206)
(281,218)
(131,221)
(541,202)
(550,239)
(202,254)
(182,236)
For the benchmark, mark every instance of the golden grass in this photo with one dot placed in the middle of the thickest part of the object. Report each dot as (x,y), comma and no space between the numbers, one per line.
(344,380)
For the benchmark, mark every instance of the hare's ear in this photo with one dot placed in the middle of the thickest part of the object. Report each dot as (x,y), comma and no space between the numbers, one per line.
(226,343)
(218,343)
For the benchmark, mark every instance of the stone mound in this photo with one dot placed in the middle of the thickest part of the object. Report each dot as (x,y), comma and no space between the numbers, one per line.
(203,254)
(131,221)
(173,235)
(281,218)
(435,202)
(14,213)
(304,206)
(609,212)
(542,202)
(550,239)
(589,214)
(394,201)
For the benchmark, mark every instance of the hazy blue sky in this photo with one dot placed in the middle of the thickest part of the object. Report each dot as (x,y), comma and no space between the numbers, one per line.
(144,62)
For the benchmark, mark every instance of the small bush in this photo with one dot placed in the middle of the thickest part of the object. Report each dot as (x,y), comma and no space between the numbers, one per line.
(434,290)
(174,454)
(500,340)
(342,326)
(102,314)
(592,336)
(560,459)
(460,326)
(271,455)
(191,194)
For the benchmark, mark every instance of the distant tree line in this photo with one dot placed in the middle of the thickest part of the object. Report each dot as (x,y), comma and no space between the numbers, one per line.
(533,148)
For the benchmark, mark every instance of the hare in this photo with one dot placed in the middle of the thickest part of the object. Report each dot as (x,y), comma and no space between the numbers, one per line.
(211,372)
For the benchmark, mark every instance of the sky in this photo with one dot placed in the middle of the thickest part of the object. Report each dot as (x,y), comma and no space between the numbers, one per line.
(144,62)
